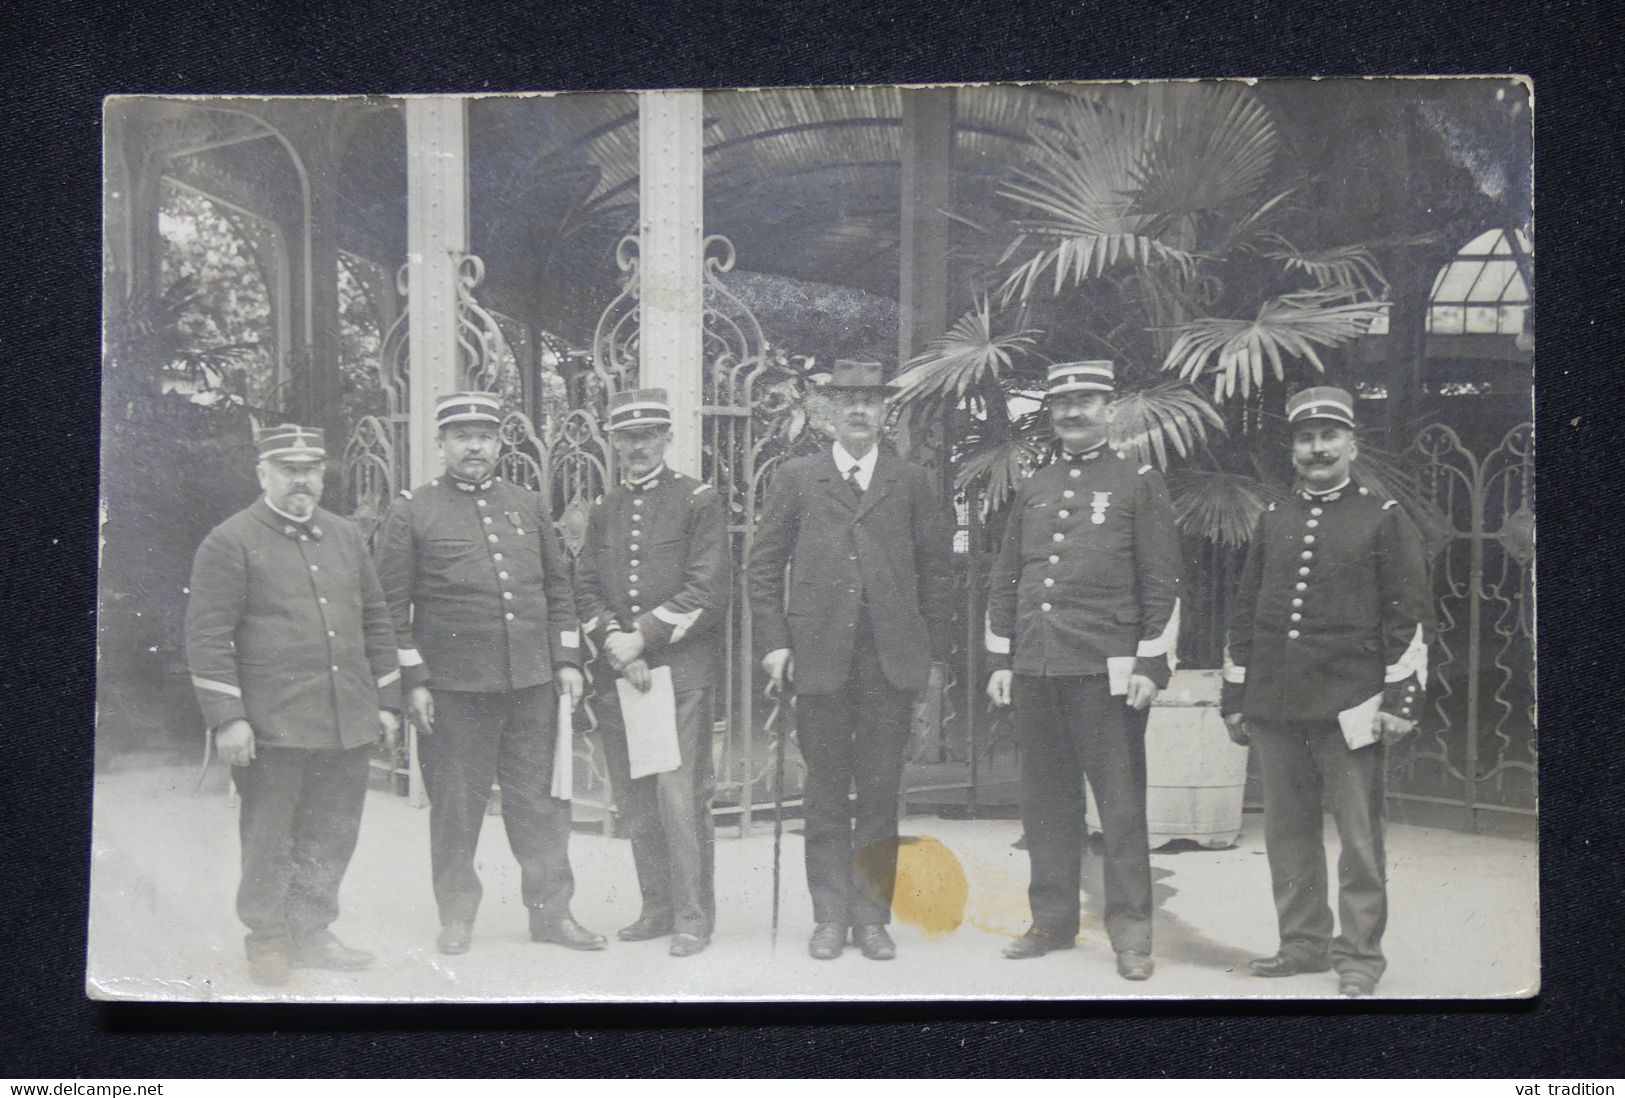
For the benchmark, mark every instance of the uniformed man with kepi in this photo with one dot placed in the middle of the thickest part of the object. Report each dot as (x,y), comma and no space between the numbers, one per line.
(1083,620)
(486,622)
(869,551)
(292,654)
(652,587)
(1326,661)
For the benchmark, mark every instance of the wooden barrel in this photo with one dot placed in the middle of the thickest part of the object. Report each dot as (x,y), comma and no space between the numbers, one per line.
(1195,776)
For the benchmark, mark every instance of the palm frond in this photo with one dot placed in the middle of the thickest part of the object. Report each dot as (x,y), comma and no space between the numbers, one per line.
(1292,325)
(1146,423)
(1076,191)
(1221,507)
(968,356)
(1208,146)
(1392,478)
(1351,269)
(998,470)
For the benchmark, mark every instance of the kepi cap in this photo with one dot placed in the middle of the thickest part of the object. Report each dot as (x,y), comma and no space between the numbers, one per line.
(467,408)
(639,408)
(1321,402)
(1094,375)
(291,442)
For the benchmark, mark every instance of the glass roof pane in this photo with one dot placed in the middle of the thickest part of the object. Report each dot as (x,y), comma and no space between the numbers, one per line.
(1511,319)
(1483,319)
(1486,243)
(1493,281)
(1517,289)
(1445,319)
(1457,279)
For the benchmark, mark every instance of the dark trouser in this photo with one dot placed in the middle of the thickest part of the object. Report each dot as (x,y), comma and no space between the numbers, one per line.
(301,813)
(853,737)
(1071,728)
(508,737)
(668,815)
(1304,765)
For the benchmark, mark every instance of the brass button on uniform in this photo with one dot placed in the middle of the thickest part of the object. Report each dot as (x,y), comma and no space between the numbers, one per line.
(1064,514)
(1293,633)
(1044,606)
(509,615)
(496,556)
(1057,536)
(1297,602)
(491,538)
(1317,511)
(1300,585)
(1297,617)
(508,595)
(1054,559)
(1069,493)
(1049,582)
(1304,571)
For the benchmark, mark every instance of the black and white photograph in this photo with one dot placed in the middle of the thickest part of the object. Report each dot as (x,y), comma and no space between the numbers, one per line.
(1042,541)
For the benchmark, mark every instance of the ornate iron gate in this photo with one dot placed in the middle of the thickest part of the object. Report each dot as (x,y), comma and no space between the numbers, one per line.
(1478,750)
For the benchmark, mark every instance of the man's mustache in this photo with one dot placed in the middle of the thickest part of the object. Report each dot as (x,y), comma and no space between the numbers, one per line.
(1319,459)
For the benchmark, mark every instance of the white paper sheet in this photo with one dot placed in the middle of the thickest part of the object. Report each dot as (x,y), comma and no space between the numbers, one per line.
(564,764)
(1118,671)
(651,724)
(1358,723)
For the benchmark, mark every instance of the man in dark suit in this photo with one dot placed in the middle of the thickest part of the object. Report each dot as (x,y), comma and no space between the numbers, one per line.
(292,655)
(1086,593)
(1325,665)
(652,589)
(868,548)
(485,621)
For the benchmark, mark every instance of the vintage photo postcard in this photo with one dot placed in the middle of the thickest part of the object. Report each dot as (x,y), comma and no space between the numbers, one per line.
(1065,541)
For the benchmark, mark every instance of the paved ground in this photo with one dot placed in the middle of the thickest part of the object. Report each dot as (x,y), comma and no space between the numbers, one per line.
(1463,922)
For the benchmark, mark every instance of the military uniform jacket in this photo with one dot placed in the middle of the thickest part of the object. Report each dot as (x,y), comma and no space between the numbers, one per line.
(1334,606)
(478,587)
(656,560)
(1088,572)
(286,627)
(890,551)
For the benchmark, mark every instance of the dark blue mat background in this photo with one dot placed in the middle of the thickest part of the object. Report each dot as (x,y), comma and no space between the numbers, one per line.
(60,60)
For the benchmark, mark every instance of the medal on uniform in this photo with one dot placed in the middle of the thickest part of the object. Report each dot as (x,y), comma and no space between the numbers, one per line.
(513,517)
(1101,501)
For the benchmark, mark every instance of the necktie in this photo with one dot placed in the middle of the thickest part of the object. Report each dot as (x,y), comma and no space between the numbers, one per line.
(852,479)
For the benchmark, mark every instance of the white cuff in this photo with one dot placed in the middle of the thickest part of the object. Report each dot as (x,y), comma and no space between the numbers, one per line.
(1414,661)
(680,623)
(999,646)
(1164,643)
(217,687)
(408,657)
(569,638)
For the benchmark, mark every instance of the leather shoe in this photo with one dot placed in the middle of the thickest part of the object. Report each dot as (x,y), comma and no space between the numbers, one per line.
(1285,964)
(455,937)
(325,951)
(270,968)
(874,941)
(646,927)
(686,945)
(828,939)
(564,931)
(1355,985)
(1134,965)
(1036,943)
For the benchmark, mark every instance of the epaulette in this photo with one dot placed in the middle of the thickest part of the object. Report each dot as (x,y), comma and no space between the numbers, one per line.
(1144,469)
(1390,503)
(704,487)
(406,493)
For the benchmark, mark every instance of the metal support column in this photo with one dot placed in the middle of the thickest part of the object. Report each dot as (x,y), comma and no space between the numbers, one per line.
(671,196)
(436,239)
(926,192)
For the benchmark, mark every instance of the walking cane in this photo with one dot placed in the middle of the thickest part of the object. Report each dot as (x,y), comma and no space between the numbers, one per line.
(780,699)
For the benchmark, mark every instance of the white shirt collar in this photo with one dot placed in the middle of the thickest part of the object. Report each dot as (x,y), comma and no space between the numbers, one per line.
(1326,491)
(647,478)
(866,464)
(275,510)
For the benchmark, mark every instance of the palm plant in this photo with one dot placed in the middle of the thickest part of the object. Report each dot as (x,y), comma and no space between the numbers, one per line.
(1151,227)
